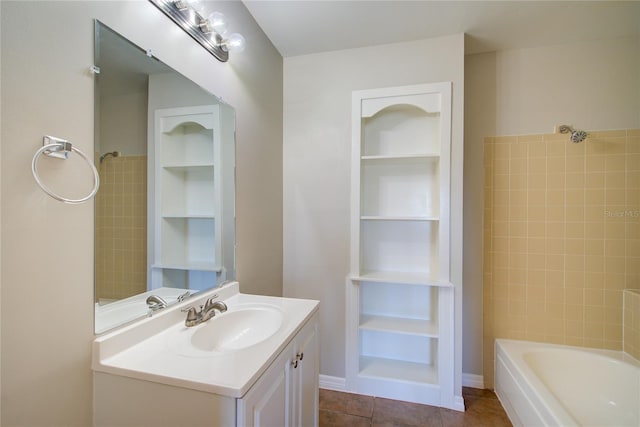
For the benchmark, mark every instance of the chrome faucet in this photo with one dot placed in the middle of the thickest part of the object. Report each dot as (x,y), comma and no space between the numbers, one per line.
(156,303)
(209,309)
(195,317)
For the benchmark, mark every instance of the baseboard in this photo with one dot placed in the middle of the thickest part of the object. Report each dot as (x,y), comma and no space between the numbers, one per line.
(458,403)
(333,383)
(472,380)
(340,384)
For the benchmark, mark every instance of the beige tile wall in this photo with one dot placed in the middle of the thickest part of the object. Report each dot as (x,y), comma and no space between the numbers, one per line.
(121,228)
(631,330)
(561,238)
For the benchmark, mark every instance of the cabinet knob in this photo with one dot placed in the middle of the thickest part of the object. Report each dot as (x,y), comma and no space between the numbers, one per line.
(299,356)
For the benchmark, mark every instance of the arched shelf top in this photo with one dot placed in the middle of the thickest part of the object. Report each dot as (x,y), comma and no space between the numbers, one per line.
(171,118)
(409,110)
(429,103)
(202,124)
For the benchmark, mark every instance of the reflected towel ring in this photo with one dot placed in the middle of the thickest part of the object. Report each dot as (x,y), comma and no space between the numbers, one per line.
(60,148)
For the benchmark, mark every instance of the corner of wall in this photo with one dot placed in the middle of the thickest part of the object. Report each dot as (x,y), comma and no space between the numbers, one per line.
(631,323)
(479,121)
(0,217)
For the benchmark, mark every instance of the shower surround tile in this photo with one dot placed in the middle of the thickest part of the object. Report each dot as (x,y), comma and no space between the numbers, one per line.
(562,238)
(121,228)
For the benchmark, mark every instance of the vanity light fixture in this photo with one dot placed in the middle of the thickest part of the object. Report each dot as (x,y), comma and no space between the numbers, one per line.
(210,32)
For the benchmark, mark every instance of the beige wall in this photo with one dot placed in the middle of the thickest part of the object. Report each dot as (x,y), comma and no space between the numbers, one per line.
(317,166)
(592,85)
(562,238)
(47,246)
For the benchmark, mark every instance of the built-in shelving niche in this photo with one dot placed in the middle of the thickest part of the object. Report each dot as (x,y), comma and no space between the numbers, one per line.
(400,299)
(398,331)
(187,237)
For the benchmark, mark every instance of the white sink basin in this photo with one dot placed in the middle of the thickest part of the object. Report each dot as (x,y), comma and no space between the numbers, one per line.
(242,326)
(224,355)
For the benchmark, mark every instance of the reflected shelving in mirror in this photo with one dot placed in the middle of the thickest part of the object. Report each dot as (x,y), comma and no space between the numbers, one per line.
(165,214)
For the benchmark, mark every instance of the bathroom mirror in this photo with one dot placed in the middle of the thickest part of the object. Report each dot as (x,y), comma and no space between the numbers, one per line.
(164,214)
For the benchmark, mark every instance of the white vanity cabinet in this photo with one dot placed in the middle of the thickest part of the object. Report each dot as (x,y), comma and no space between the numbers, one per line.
(287,394)
(400,299)
(272,384)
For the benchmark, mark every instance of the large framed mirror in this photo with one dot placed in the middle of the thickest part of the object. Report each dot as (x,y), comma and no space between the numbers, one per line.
(165,211)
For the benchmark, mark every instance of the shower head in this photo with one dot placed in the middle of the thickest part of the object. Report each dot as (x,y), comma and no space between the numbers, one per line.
(111,153)
(576,135)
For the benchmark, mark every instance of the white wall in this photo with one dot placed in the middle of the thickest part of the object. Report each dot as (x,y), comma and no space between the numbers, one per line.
(47,246)
(123,123)
(0,217)
(316,152)
(479,119)
(591,85)
(594,85)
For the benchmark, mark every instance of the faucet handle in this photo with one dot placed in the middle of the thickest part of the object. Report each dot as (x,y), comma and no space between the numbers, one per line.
(193,317)
(184,296)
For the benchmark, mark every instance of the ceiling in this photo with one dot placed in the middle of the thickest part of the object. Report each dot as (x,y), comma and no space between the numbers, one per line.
(299,27)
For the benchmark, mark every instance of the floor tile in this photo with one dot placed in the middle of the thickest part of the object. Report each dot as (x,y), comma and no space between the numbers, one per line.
(451,418)
(485,412)
(392,424)
(348,403)
(398,413)
(338,409)
(478,392)
(338,419)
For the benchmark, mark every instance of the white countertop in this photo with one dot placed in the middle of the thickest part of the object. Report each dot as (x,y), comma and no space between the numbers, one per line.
(117,313)
(142,350)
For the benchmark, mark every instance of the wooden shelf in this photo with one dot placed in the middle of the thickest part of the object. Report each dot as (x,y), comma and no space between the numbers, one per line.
(398,218)
(398,370)
(187,216)
(191,166)
(401,277)
(197,266)
(402,156)
(419,327)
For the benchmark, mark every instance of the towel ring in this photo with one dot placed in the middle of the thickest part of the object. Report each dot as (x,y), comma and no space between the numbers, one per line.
(60,148)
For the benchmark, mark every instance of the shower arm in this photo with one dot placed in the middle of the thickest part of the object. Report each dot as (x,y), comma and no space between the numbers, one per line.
(112,154)
(565,129)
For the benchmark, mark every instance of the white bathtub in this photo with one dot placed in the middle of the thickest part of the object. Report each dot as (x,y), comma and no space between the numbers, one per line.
(555,385)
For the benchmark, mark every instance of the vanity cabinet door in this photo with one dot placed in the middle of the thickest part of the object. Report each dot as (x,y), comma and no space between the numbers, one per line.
(286,395)
(305,376)
(268,402)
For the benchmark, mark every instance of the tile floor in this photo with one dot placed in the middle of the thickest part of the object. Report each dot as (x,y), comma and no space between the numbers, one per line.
(339,409)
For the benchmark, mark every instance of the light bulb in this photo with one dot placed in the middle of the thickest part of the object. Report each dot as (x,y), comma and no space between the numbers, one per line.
(217,23)
(235,42)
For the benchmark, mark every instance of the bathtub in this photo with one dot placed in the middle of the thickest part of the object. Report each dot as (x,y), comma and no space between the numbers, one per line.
(555,385)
